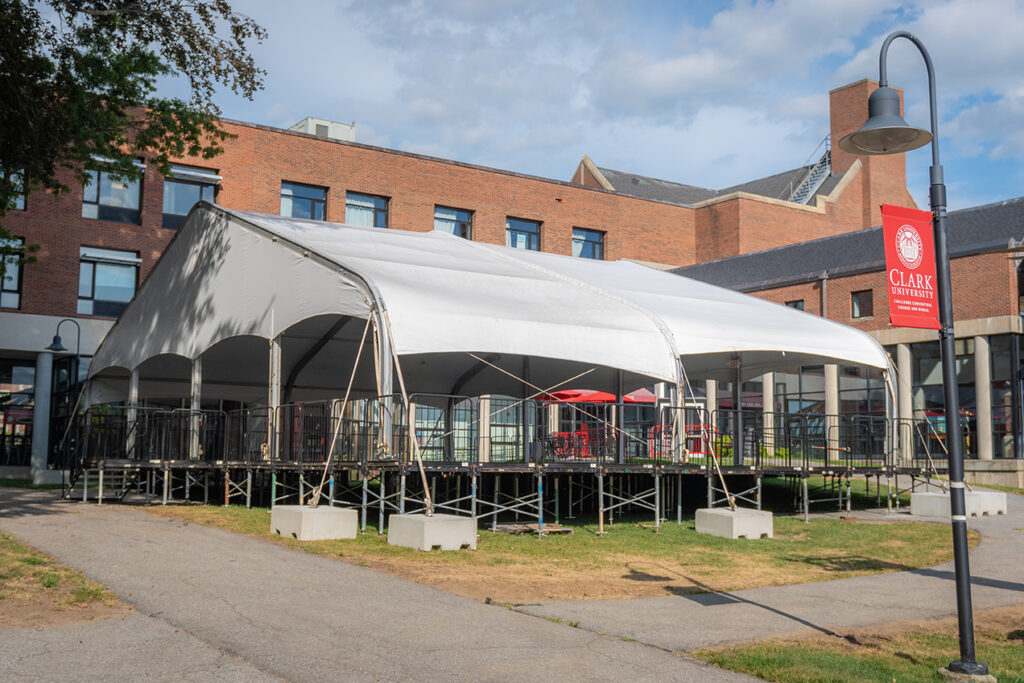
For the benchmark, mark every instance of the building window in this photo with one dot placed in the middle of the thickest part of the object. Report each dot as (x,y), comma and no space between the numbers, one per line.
(111,200)
(106,281)
(366,210)
(10,287)
(303,201)
(863,305)
(458,222)
(798,304)
(186,187)
(588,243)
(522,234)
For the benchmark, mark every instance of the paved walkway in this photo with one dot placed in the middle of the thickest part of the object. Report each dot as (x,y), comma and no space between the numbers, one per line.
(214,605)
(684,623)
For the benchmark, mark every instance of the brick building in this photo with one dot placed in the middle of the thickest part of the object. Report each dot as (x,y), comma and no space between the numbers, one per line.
(98,242)
(844,278)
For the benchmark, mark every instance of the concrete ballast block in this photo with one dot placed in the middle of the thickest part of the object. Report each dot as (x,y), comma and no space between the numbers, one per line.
(313,524)
(737,523)
(976,504)
(445,532)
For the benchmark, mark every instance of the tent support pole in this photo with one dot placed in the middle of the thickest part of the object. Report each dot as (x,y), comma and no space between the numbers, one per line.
(133,413)
(195,405)
(620,419)
(274,397)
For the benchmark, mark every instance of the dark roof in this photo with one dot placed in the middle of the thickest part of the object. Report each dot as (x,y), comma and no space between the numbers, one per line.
(778,186)
(992,227)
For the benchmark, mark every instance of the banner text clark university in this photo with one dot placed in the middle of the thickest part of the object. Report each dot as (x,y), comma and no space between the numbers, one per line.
(910,267)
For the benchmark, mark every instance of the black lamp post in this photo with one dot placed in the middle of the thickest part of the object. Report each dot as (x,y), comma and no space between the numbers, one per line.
(885,132)
(57,347)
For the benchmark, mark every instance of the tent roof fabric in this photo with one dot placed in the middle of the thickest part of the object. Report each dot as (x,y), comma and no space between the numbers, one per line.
(232,273)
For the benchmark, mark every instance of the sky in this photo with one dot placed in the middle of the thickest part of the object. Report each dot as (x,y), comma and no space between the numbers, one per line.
(698,92)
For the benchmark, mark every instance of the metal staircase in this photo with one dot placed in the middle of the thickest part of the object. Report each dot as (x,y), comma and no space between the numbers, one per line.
(802,191)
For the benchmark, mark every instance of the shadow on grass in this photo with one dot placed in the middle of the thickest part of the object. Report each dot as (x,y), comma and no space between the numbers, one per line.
(848,563)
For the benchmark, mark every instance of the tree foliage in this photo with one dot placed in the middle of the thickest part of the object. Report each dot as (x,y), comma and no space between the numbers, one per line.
(78,81)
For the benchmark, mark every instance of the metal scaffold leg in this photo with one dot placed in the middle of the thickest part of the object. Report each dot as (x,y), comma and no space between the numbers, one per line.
(99,493)
(273,490)
(85,486)
(497,488)
(540,505)
(206,487)
(600,501)
(679,499)
(570,515)
(557,520)
(807,501)
(401,495)
(472,505)
(362,516)
(248,489)
(657,502)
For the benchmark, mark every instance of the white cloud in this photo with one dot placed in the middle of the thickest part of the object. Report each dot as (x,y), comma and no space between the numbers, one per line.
(698,93)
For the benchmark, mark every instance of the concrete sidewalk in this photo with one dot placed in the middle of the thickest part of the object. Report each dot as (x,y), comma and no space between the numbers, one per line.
(686,622)
(217,605)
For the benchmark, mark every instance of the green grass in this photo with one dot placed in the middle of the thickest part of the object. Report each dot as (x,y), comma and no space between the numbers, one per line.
(31,576)
(1007,489)
(914,655)
(630,555)
(21,483)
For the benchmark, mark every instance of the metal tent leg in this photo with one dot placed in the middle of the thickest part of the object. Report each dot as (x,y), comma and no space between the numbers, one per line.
(497,487)
(362,520)
(401,495)
(679,499)
(472,496)
(807,501)
(657,502)
(380,508)
(540,505)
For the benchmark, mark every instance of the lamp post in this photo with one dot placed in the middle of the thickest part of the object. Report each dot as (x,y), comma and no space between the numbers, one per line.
(885,132)
(57,347)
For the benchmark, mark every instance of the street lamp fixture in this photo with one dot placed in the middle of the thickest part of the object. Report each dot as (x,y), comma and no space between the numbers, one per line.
(885,132)
(57,347)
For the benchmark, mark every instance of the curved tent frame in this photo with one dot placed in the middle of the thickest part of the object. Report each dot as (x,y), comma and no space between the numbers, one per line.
(445,303)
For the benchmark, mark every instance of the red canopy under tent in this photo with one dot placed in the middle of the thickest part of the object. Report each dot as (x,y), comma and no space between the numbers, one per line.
(641,395)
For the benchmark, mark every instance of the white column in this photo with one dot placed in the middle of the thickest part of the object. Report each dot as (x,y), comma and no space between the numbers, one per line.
(484,441)
(273,397)
(832,411)
(195,405)
(768,406)
(41,415)
(905,401)
(132,413)
(711,401)
(983,397)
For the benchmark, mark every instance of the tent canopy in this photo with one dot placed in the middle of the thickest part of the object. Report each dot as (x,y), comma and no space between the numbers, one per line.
(230,281)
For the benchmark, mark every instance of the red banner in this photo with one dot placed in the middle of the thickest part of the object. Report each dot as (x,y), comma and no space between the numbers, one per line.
(910,267)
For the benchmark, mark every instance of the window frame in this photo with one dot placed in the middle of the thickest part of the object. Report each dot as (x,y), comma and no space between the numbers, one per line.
(107,212)
(187,175)
(377,211)
(856,305)
(796,304)
(322,203)
(103,255)
(463,229)
(19,244)
(589,231)
(533,237)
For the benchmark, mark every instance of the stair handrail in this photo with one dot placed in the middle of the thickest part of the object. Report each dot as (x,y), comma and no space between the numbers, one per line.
(808,167)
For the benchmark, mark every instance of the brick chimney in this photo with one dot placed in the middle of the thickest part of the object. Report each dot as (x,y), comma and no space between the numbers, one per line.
(883,179)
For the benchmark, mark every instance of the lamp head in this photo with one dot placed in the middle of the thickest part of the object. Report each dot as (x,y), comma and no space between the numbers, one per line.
(56,345)
(885,131)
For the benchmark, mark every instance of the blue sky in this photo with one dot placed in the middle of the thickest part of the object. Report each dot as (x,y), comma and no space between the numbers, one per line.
(705,93)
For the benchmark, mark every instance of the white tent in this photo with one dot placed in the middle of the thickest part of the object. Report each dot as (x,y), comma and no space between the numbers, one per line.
(234,286)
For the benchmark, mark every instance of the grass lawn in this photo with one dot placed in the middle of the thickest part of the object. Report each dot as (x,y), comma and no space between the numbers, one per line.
(37,591)
(630,560)
(27,484)
(908,651)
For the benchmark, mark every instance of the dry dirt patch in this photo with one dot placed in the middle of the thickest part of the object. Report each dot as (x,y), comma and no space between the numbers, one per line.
(38,592)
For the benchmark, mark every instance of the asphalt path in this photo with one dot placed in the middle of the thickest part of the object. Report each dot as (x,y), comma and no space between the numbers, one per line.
(213,605)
